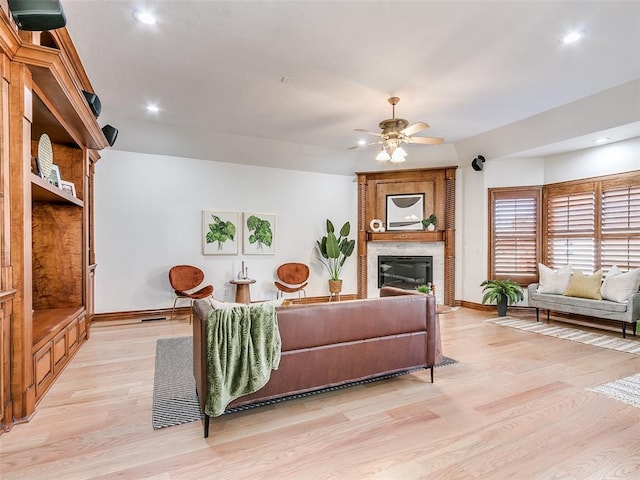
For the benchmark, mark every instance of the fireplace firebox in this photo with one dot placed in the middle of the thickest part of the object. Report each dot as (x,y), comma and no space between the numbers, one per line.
(404,271)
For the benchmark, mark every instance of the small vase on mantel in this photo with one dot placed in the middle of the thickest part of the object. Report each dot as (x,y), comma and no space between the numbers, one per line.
(431,227)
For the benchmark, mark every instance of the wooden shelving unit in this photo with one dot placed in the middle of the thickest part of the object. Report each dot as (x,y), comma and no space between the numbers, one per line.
(43,191)
(46,237)
(46,323)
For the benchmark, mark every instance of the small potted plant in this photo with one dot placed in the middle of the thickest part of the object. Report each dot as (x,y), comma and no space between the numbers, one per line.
(430,222)
(334,251)
(503,292)
(426,289)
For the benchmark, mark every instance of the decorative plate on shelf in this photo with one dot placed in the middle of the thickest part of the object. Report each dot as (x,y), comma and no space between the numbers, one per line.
(45,155)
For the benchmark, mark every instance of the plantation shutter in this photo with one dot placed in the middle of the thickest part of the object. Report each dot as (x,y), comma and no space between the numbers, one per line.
(571,229)
(621,226)
(514,226)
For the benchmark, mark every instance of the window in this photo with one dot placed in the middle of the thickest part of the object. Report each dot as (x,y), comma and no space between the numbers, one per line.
(571,228)
(621,226)
(514,234)
(593,224)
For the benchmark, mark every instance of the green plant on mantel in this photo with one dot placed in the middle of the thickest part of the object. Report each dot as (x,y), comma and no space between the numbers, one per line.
(430,220)
(334,250)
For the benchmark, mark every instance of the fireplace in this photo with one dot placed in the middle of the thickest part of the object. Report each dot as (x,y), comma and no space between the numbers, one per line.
(404,271)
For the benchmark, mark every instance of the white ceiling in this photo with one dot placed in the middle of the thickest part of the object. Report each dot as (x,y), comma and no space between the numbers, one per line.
(474,70)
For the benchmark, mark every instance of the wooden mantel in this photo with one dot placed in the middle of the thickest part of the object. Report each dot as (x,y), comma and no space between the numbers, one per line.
(438,187)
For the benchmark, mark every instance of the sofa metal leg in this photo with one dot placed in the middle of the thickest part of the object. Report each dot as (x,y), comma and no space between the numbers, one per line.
(432,367)
(537,314)
(206,425)
(635,325)
(624,329)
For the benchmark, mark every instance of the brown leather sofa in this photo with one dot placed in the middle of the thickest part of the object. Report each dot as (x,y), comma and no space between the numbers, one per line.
(334,343)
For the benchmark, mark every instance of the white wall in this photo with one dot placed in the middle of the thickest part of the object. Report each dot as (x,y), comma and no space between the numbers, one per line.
(606,159)
(472,214)
(472,198)
(148,217)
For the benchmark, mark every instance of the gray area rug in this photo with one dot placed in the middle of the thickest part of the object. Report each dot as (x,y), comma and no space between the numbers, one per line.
(175,400)
(573,334)
(626,390)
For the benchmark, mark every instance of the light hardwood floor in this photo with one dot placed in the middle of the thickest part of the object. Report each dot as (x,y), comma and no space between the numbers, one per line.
(515,407)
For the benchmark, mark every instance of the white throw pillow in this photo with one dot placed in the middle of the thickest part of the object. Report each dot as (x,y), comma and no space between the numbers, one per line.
(553,281)
(618,285)
(218,304)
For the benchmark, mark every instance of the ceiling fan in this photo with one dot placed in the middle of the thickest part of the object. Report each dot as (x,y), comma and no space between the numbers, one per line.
(396,131)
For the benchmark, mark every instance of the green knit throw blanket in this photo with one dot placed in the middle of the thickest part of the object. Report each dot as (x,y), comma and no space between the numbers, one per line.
(243,346)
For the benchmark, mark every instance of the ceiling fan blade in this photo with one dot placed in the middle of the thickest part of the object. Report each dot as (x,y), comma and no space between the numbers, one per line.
(426,140)
(415,128)
(368,131)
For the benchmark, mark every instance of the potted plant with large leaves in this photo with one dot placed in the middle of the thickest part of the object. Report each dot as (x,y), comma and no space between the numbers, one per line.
(333,251)
(503,292)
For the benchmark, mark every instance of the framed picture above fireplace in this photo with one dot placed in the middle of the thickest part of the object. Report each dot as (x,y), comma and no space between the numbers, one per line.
(405,211)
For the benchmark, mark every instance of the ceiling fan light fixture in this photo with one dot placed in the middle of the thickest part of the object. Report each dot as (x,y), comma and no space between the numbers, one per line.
(394,132)
(398,155)
(383,156)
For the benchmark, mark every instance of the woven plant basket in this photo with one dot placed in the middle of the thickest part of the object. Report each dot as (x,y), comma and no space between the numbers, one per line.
(335,286)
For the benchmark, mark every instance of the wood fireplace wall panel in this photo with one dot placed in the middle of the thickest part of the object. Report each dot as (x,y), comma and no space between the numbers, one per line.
(383,189)
(438,186)
(363,208)
(450,237)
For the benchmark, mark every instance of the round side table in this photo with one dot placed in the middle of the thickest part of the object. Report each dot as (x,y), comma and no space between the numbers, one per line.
(243,294)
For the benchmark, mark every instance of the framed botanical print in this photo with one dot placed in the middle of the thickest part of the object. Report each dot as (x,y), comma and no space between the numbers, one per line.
(220,233)
(259,233)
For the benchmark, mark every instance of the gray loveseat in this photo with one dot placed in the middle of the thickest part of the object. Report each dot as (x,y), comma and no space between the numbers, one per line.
(625,313)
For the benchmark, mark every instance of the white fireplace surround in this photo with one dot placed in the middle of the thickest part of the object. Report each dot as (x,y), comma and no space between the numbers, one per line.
(433,249)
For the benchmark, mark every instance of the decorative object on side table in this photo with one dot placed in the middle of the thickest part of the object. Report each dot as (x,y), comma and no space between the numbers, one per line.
(503,292)
(219,233)
(333,252)
(243,274)
(430,222)
(426,289)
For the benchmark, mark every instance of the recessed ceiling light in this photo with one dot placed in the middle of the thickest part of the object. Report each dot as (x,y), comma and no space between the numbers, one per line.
(361,142)
(571,37)
(144,17)
(153,108)
(601,140)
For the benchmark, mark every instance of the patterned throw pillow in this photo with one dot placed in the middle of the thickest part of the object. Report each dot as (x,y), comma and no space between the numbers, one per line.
(584,286)
(553,281)
(618,285)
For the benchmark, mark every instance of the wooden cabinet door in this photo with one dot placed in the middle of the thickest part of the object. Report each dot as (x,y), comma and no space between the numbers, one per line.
(43,368)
